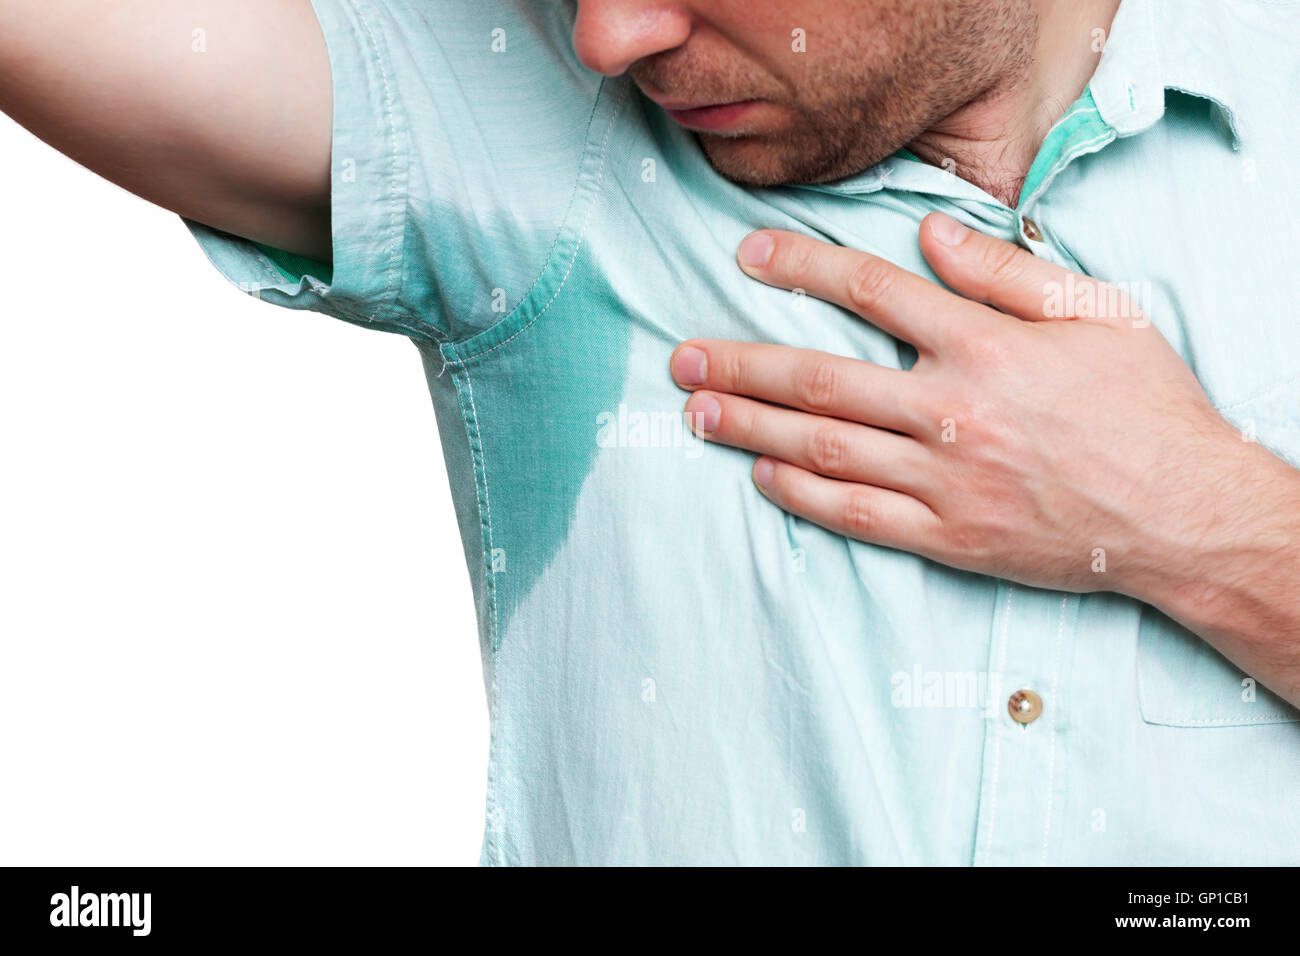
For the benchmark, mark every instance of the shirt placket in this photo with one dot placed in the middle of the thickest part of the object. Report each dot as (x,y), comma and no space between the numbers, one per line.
(1027,714)
(1025,725)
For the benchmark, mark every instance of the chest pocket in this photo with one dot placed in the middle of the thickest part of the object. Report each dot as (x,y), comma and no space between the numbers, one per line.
(1182,681)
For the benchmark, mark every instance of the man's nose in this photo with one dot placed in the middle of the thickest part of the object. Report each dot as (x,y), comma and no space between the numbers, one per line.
(611,35)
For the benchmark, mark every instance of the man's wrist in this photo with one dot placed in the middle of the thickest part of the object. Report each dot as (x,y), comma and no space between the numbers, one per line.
(1240,523)
(1232,577)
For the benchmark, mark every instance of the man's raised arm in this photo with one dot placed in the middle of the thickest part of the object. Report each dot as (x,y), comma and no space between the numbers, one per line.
(219,110)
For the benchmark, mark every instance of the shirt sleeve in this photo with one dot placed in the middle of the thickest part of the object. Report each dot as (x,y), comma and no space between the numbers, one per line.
(457,131)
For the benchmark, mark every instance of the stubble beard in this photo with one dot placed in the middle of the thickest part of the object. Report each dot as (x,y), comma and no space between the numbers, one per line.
(943,68)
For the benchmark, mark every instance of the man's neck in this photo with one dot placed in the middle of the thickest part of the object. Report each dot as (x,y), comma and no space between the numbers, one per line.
(994,138)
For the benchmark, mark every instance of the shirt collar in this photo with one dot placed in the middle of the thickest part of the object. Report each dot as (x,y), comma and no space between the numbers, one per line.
(1153,46)
(1157,45)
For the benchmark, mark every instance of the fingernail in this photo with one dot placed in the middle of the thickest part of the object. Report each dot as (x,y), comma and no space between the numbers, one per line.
(763,469)
(703,413)
(690,366)
(948,230)
(756,249)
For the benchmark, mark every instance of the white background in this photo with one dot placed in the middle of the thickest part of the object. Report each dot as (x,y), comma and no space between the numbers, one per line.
(235,620)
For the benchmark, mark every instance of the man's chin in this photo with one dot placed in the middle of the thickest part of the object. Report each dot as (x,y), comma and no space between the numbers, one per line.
(747,160)
(774,161)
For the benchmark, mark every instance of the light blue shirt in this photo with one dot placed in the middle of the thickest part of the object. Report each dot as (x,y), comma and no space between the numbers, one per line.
(676,670)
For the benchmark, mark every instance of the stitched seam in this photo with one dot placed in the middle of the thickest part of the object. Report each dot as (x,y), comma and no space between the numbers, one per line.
(1051,726)
(1258,395)
(490,581)
(560,232)
(1077,151)
(496,819)
(600,175)
(395,195)
(1277,718)
(475,438)
(1079,112)
(997,739)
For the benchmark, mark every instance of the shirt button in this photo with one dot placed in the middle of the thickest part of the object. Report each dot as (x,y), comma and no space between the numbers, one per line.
(1024,706)
(1032,232)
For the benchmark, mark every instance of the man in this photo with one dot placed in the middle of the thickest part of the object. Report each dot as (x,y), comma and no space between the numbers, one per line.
(1077,517)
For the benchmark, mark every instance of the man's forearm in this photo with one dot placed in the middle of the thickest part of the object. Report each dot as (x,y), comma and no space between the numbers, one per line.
(1237,583)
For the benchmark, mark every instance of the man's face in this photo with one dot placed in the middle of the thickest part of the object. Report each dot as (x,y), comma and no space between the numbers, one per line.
(785,91)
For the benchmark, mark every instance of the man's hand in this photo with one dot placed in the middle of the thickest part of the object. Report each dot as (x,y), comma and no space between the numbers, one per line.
(1078,454)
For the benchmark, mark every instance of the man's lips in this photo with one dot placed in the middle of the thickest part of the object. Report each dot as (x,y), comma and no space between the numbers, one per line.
(704,116)
(719,116)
